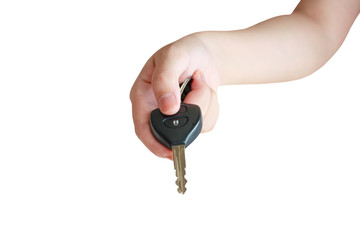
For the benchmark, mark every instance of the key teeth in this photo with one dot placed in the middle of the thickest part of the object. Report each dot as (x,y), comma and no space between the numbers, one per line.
(182,192)
(178,181)
(179,184)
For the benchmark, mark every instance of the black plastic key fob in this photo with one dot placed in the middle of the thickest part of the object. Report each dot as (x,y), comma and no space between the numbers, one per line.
(179,129)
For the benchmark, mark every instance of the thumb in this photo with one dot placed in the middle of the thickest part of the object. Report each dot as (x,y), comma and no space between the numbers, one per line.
(167,93)
(165,83)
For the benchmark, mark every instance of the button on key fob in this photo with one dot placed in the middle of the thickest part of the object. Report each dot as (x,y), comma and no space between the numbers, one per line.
(179,129)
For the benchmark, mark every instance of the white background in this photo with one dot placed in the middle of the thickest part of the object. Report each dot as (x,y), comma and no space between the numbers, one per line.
(283,161)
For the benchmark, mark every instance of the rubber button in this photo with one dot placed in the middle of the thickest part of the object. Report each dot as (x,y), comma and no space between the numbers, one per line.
(176,122)
(182,109)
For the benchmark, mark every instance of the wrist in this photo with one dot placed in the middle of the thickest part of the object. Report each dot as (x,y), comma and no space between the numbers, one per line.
(216,43)
(209,59)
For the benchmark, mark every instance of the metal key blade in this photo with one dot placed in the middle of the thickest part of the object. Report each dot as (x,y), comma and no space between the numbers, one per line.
(179,164)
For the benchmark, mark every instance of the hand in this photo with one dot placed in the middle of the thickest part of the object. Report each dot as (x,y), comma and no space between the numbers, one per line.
(158,86)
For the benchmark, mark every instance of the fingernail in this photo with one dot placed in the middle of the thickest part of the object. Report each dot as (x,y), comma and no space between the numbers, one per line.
(167,103)
(198,75)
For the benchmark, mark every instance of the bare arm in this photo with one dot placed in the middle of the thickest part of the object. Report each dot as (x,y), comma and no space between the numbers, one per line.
(283,48)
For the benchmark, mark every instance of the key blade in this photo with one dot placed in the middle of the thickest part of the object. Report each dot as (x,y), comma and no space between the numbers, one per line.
(180,165)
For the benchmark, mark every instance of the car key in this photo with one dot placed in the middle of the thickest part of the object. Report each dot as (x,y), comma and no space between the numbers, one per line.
(176,132)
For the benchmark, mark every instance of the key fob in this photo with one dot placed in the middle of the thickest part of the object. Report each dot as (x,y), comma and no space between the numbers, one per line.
(179,129)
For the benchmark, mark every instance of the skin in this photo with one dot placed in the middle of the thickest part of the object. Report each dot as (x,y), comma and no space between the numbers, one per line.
(280,49)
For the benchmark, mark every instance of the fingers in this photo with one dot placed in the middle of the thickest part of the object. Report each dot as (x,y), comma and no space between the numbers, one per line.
(200,93)
(158,86)
(141,109)
(143,132)
(170,64)
(203,96)
(143,102)
(211,114)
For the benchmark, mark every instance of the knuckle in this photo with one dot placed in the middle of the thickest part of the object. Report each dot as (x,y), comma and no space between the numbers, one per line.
(155,150)
(161,78)
(211,127)
(131,95)
(173,50)
(135,92)
(205,127)
(208,128)
(159,154)
(138,132)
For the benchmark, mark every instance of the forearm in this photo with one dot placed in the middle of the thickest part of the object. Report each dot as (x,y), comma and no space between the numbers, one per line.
(280,49)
